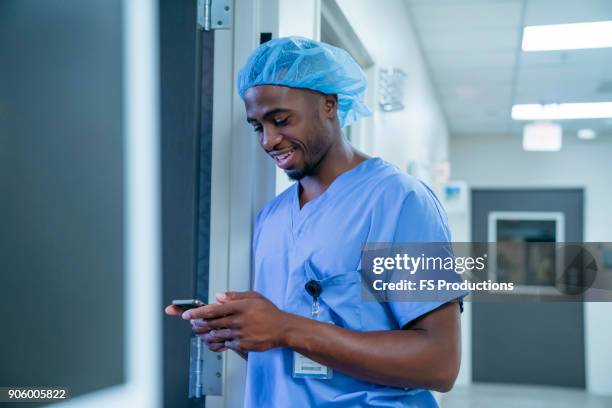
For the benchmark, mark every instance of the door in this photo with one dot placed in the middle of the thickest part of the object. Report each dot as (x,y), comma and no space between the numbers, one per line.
(528,342)
(186,72)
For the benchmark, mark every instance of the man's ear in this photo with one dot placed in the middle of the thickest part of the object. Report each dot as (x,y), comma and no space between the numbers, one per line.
(330,105)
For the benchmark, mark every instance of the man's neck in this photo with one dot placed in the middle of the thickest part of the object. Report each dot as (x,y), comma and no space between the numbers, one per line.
(340,158)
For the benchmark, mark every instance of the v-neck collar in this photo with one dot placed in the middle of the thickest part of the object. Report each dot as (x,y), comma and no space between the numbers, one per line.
(299,215)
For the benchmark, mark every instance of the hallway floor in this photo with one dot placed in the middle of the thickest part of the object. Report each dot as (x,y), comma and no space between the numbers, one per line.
(523,396)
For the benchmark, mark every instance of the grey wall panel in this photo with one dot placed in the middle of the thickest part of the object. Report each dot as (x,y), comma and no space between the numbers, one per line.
(531,342)
(61,194)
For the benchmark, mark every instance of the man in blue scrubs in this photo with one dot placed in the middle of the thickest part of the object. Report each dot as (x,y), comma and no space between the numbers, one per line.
(298,94)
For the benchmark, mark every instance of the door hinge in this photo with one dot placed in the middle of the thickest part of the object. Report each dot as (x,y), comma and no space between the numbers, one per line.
(205,370)
(214,14)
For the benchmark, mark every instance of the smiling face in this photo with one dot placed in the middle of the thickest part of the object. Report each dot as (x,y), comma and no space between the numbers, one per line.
(294,126)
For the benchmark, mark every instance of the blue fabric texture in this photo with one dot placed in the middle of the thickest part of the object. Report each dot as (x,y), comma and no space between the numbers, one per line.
(373,202)
(298,62)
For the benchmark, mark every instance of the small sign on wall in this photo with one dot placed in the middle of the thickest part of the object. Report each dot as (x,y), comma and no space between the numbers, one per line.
(455,197)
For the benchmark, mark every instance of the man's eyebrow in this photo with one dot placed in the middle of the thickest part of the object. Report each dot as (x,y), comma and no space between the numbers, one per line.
(269,113)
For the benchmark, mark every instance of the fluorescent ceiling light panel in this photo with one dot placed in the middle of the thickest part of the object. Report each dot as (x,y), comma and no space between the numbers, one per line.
(588,110)
(567,36)
(542,137)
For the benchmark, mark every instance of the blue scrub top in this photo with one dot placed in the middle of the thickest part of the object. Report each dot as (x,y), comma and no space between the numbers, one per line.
(372,202)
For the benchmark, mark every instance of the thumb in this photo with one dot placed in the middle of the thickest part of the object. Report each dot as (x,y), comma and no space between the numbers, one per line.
(231,296)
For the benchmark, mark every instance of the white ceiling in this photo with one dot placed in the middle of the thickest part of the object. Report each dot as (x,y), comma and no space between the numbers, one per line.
(473,51)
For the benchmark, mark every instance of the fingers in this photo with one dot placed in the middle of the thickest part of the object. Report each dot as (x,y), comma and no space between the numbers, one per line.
(212,311)
(204,326)
(216,347)
(214,339)
(173,310)
(198,323)
(233,344)
(229,296)
(221,340)
(200,326)
(225,297)
(226,345)
(218,336)
(228,322)
(221,297)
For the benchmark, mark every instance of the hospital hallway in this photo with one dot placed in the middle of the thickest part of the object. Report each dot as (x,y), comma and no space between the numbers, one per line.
(144,172)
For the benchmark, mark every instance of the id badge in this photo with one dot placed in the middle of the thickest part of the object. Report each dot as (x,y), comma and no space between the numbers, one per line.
(303,367)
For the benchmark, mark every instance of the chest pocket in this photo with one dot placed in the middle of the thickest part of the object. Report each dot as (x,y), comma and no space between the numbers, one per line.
(340,297)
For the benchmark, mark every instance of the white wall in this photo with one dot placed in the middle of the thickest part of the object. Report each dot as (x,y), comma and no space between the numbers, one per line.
(418,132)
(299,18)
(486,162)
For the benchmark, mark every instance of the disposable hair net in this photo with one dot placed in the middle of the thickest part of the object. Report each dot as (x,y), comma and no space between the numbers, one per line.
(298,62)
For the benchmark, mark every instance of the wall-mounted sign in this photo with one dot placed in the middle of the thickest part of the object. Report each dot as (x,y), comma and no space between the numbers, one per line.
(391,89)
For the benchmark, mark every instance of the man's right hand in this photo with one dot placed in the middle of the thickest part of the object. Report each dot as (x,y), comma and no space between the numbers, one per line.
(210,337)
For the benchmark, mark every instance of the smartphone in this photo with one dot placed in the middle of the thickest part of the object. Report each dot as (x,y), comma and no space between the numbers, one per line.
(186,304)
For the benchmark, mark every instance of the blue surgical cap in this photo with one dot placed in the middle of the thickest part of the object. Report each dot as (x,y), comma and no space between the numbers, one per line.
(299,62)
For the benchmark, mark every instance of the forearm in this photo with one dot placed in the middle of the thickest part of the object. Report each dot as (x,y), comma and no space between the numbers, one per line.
(399,358)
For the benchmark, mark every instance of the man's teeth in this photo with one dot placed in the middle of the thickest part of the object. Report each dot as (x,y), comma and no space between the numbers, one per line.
(284,156)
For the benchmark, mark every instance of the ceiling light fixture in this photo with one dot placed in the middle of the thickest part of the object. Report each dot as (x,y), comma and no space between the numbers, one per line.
(588,110)
(567,36)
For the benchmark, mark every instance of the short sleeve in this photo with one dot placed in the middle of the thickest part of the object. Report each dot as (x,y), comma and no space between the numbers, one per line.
(421,219)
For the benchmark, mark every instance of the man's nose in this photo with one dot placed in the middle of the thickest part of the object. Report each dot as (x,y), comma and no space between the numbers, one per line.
(269,139)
